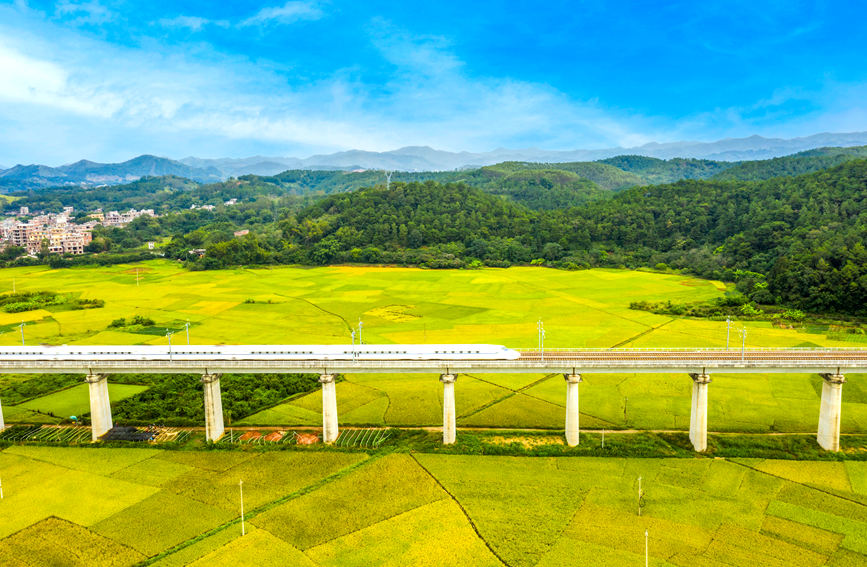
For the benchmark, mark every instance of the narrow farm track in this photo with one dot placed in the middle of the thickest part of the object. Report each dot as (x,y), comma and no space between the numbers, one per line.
(641,334)
(322,309)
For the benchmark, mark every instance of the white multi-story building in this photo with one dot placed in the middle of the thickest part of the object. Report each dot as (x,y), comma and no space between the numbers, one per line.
(56,231)
(116,219)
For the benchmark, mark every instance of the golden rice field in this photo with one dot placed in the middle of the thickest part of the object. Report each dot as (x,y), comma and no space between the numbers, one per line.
(118,507)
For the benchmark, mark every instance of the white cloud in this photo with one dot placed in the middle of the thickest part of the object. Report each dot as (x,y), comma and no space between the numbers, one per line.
(290,12)
(176,100)
(90,12)
(193,23)
(44,83)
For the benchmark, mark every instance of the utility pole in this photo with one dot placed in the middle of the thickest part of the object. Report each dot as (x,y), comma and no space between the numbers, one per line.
(169,337)
(241,486)
(640,495)
(728,331)
(388,175)
(22,332)
(540,327)
(360,326)
(743,333)
(187,327)
(645,547)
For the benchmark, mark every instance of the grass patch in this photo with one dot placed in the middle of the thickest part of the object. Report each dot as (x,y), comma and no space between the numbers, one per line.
(61,405)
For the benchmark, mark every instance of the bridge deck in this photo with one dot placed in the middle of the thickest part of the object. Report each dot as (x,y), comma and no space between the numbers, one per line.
(581,361)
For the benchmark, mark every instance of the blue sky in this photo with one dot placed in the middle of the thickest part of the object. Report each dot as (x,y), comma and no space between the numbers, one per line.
(110,79)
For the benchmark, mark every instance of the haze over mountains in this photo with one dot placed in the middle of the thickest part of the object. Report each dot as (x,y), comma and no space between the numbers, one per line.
(413,158)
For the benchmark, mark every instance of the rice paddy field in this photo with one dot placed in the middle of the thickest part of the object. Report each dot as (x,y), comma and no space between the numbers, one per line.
(139,506)
(404,305)
(360,505)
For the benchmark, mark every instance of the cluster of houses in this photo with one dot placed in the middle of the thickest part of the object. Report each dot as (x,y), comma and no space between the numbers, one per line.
(57,231)
(61,235)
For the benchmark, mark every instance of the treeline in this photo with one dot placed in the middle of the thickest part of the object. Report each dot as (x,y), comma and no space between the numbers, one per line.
(180,396)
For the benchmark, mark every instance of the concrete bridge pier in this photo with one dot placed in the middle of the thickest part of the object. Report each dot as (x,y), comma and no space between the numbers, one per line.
(2,423)
(214,426)
(572,432)
(100,405)
(698,416)
(449,417)
(829,412)
(329,408)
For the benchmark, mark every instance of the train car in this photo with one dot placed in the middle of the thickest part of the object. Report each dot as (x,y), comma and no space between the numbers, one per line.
(262,352)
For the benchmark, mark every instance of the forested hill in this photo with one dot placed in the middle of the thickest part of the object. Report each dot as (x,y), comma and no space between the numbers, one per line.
(804,162)
(799,240)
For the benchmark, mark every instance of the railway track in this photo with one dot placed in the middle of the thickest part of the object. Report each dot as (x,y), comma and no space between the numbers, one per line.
(695,356)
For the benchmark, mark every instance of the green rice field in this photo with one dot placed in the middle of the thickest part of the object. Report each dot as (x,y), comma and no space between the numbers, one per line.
(407,305)
(106,506)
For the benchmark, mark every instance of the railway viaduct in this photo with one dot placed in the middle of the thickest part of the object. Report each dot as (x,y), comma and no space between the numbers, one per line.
(698,364)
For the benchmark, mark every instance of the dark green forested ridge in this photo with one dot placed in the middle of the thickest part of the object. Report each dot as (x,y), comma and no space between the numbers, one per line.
(654,170)
(797,164)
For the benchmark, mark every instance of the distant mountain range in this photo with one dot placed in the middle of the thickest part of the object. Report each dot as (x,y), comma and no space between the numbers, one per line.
(91,173)
(413,158)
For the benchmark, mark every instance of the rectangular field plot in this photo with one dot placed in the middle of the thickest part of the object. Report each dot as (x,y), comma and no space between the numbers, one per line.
(165,518)
(37,489)
(266,477)
(435,534)
(518,505)
(58,542)
(96,461)
(349,504)
(259,548)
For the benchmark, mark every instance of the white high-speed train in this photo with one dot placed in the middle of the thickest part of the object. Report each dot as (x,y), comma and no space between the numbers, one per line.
(261,352)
